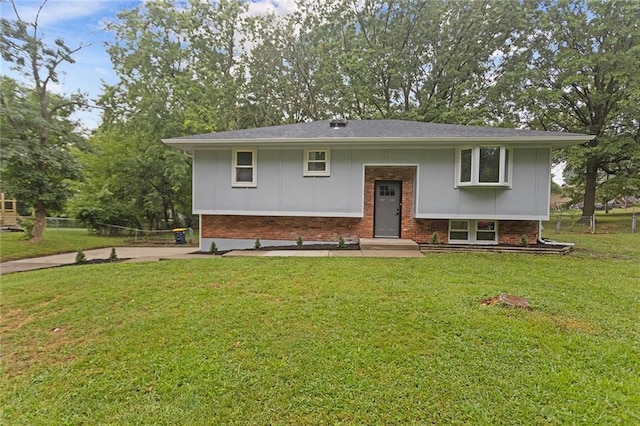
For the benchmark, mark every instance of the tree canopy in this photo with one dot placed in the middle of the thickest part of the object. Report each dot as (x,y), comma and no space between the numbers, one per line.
(187,67)
(580,73)
(37,130)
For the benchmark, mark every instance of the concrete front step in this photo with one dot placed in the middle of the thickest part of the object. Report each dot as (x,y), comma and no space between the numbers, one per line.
(388,244)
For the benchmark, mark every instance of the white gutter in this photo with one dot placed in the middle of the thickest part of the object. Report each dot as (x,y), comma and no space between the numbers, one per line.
(550,242)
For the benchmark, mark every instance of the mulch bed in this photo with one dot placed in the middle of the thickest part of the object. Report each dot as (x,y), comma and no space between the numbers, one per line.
(501,248)
(99,261)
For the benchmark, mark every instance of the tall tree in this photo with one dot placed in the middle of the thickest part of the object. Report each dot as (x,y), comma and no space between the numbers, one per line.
(580,73)
(36,159)
(432,60)
(178,74)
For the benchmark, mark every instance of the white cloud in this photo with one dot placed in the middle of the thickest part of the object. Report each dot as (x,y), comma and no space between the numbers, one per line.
(56,11)
(279,7)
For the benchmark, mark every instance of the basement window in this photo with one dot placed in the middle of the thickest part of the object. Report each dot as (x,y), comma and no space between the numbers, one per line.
(484,166)
(244,168)
(316,162)
(473,231)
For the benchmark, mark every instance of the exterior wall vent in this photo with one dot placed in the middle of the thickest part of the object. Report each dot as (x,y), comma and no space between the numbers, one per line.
(338,123)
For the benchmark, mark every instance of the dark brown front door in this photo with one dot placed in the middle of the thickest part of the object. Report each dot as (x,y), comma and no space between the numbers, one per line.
(387,207)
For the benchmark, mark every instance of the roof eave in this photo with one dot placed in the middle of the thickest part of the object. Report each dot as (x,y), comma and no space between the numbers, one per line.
(555,142)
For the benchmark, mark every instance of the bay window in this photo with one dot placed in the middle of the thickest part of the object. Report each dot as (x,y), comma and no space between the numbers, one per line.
(484,166)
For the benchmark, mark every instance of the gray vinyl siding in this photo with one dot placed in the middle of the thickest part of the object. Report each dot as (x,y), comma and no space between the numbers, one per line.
(527,198)
(281,187)
(283,190)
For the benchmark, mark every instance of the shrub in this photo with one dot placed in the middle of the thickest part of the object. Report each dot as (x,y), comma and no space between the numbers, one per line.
(341,242)
(257,244)
(434,238)
(299,241)
(80,257)
(213,248)
(113,256)
(524,241)
(27,225)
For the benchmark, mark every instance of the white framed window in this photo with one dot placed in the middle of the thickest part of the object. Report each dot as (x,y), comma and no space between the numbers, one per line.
(473,231)
(244,168)
(486,231)
(316,162)
(458,230)
(484,165)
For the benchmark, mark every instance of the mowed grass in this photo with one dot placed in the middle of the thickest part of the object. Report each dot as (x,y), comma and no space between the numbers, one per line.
(15,245)
(328,340)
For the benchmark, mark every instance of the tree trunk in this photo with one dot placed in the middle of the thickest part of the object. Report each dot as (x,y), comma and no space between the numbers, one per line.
(591,178)
(39,224)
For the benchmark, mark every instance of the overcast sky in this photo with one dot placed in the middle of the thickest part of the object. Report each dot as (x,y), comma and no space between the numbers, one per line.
(82,22)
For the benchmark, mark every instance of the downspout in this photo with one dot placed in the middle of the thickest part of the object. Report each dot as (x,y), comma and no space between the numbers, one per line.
(547,241)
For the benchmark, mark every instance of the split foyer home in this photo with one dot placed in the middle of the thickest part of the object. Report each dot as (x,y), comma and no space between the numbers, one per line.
(371,179)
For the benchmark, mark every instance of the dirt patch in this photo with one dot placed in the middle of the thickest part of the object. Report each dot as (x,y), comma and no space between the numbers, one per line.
(507,300)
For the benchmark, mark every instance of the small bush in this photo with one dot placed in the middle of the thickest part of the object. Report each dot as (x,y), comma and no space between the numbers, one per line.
(113,256)
(434,238)
(27,225)
(213,248)
(341,242)
(299,241)
(524,241)
(80,257)
(257,244)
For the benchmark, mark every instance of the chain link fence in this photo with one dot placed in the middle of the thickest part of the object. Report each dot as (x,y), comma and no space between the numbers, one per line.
(616,221)
(134,235)
(63,223)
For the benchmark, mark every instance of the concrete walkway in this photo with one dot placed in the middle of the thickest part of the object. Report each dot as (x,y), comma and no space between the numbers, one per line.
(154,254)
(325,253)
(134,254)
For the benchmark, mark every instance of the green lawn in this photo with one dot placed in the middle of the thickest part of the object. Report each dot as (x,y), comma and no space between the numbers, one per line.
(14,245)
(328,340)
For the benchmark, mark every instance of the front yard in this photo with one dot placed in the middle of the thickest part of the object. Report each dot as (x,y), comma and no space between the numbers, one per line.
(328,340)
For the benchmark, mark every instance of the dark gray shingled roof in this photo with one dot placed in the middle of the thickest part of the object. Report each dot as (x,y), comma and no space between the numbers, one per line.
(372,132)
(374,129)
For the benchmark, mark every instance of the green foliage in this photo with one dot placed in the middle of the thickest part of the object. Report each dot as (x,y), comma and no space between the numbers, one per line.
(36,128)
(113,256)
(257,244)
(299,241)
(80,257)
(434,238)
(350,63)
(577,72)
(341,243)
(524,240)
(27,225)
(213,248)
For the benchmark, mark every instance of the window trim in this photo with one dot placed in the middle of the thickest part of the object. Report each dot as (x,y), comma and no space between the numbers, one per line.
(505,167)
(253,166)
(472,232)
(327,161)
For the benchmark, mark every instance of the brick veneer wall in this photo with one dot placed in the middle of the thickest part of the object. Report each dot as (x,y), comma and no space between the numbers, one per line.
(331,228)
(280,227)
(511,231)
(351,229)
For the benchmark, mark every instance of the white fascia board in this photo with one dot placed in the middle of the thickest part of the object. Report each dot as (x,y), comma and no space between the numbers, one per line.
(276,213)
(189,145)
